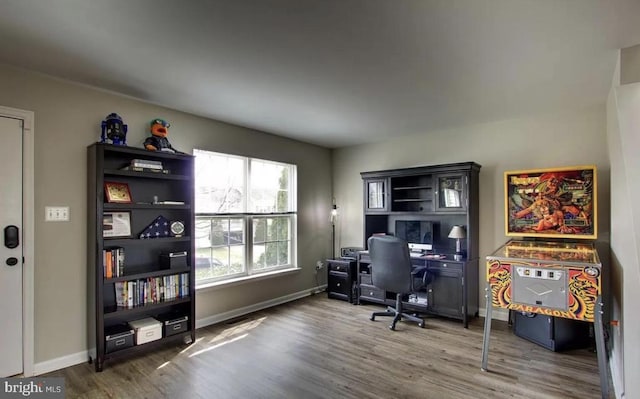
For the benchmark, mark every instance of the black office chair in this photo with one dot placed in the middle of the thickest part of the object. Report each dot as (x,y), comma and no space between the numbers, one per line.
(391,270)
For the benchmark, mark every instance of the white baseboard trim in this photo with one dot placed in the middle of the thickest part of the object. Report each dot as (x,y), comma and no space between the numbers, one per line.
(497,314)
(60,363)
(207,321)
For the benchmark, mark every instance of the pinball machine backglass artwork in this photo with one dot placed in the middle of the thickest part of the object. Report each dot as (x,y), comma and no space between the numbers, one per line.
(554,203)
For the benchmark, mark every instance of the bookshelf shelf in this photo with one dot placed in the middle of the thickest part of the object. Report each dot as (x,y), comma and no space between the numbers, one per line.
(114,311)
(145,175)
(140,258)
(150,346)
(412,200)
(412,188)
(124,207)
(146,241)
(139,276)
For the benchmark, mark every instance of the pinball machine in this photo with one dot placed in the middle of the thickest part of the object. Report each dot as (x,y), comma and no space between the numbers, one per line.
(552,268)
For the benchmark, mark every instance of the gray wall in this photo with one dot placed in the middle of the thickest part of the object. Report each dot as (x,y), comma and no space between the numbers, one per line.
(624,140)
(630,65)
(564,139)
(67,120)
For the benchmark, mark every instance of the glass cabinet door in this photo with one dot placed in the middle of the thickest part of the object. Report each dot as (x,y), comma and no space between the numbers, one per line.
(451,193)
(376,191)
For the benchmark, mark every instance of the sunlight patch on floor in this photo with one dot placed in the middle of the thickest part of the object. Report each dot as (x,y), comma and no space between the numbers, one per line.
(236,329)
(162,365)
(218,345)
(190,347)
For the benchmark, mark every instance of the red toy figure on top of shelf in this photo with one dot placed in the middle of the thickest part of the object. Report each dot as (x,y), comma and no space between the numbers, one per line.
(158,140)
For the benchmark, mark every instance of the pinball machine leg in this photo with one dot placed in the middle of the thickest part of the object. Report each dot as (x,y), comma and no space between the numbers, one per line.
(601,349)
(487,329)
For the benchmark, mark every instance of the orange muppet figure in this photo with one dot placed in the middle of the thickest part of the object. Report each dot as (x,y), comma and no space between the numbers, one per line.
(158,140)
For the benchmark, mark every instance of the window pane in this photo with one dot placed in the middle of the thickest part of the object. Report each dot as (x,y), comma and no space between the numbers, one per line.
(259,230)
(269,187)
(280,229)
(203,232)
(236,259)
(271,255)
(283,253)
(219,229)
(259,256)
(235,235)
(220,247)
(274,249)
(220,261)
(272,229)
(219,183)
(204,268)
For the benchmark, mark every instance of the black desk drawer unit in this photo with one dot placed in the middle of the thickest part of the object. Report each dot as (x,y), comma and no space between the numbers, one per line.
(341,277)
(372,293)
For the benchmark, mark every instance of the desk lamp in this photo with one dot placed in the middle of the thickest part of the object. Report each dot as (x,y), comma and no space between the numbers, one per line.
(458,233)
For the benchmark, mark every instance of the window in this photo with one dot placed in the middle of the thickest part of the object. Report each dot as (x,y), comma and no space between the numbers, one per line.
(245,216)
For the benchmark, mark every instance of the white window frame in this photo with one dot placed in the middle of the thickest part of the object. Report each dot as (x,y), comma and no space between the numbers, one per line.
(248,217)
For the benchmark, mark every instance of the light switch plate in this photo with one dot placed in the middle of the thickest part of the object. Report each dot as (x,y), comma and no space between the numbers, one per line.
(56,213)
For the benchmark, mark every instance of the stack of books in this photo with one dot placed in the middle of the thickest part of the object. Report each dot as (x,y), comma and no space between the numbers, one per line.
(129,294)
(113,262)
(145,165)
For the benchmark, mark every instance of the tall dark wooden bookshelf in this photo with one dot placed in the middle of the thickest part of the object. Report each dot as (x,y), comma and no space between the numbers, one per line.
(111,163)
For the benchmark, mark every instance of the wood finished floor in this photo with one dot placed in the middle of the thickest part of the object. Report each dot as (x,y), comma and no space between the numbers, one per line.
(323,348)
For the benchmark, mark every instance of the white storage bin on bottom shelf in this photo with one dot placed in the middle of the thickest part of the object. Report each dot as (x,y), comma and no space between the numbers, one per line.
(147,330)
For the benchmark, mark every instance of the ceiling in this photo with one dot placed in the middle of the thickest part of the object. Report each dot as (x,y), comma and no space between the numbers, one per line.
(331,72)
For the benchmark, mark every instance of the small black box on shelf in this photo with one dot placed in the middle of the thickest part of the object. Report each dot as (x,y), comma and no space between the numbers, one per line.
(118,337)
(173,323)
(173,260)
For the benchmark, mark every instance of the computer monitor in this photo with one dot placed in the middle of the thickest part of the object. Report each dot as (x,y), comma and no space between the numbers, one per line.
(418,232)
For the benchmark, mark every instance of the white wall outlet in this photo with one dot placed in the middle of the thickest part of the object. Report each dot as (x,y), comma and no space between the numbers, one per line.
(56,213)
(319,265)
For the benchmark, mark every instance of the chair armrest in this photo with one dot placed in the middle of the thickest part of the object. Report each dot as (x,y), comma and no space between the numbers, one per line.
(417,270)
(415,273)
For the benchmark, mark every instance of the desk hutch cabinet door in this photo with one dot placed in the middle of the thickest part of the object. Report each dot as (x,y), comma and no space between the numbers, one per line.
(376,195)
(451,192)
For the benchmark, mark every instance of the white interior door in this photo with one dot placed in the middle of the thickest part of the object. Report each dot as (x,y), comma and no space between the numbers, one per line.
(11,241)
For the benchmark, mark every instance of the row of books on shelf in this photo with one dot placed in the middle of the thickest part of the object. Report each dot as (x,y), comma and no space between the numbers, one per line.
(113,262)
(151,290)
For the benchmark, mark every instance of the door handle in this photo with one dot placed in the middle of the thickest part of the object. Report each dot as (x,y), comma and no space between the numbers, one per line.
(11,236)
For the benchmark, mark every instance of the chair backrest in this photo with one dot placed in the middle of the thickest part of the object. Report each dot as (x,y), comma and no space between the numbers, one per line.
(390,263)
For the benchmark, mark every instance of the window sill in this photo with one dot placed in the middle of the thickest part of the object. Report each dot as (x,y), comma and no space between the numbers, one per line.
(245,279)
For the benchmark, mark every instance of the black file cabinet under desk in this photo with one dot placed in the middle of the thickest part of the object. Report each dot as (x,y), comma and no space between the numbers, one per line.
(341,278)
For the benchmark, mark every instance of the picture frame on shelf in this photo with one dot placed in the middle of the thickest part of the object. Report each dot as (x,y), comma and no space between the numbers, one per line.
(116,225)
(118,193)
(553,203)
